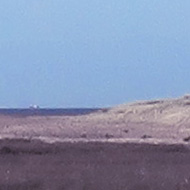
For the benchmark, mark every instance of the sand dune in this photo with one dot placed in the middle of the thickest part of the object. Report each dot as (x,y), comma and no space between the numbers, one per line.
(136,146)
(153,121)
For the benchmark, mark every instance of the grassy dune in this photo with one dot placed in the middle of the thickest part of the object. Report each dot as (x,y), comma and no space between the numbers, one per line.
(137,146)
(166,120)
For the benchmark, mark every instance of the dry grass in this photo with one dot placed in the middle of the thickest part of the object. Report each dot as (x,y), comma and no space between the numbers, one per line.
(97,166)
(96,161)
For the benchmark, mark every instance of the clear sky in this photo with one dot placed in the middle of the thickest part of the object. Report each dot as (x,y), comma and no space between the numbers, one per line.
(93,53)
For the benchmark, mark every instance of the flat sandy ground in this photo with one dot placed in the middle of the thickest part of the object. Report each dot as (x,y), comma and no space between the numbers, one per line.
(139,146)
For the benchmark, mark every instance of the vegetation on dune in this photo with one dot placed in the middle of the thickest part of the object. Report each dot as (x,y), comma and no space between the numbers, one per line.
(166,119)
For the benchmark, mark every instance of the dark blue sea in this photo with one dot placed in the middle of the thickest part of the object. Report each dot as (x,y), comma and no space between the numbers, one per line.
(48,112)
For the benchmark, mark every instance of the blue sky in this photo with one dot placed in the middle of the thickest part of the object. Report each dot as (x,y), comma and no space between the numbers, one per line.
(93,53)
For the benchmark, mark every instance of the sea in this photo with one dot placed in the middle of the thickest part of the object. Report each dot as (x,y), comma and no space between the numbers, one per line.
(47,111)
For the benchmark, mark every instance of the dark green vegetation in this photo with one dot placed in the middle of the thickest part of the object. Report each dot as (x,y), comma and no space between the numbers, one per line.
(29,165)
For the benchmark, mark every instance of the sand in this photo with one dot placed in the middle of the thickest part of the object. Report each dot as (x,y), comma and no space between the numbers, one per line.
(155,121)
(142,145)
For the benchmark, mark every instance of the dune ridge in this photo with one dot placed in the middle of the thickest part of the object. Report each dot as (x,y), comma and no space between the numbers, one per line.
(165,120)
(141,145)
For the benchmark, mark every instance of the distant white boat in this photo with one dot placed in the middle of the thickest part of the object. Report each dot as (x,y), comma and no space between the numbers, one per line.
(34,107)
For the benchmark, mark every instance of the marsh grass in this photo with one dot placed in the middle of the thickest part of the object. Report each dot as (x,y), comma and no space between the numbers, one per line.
(94,166)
